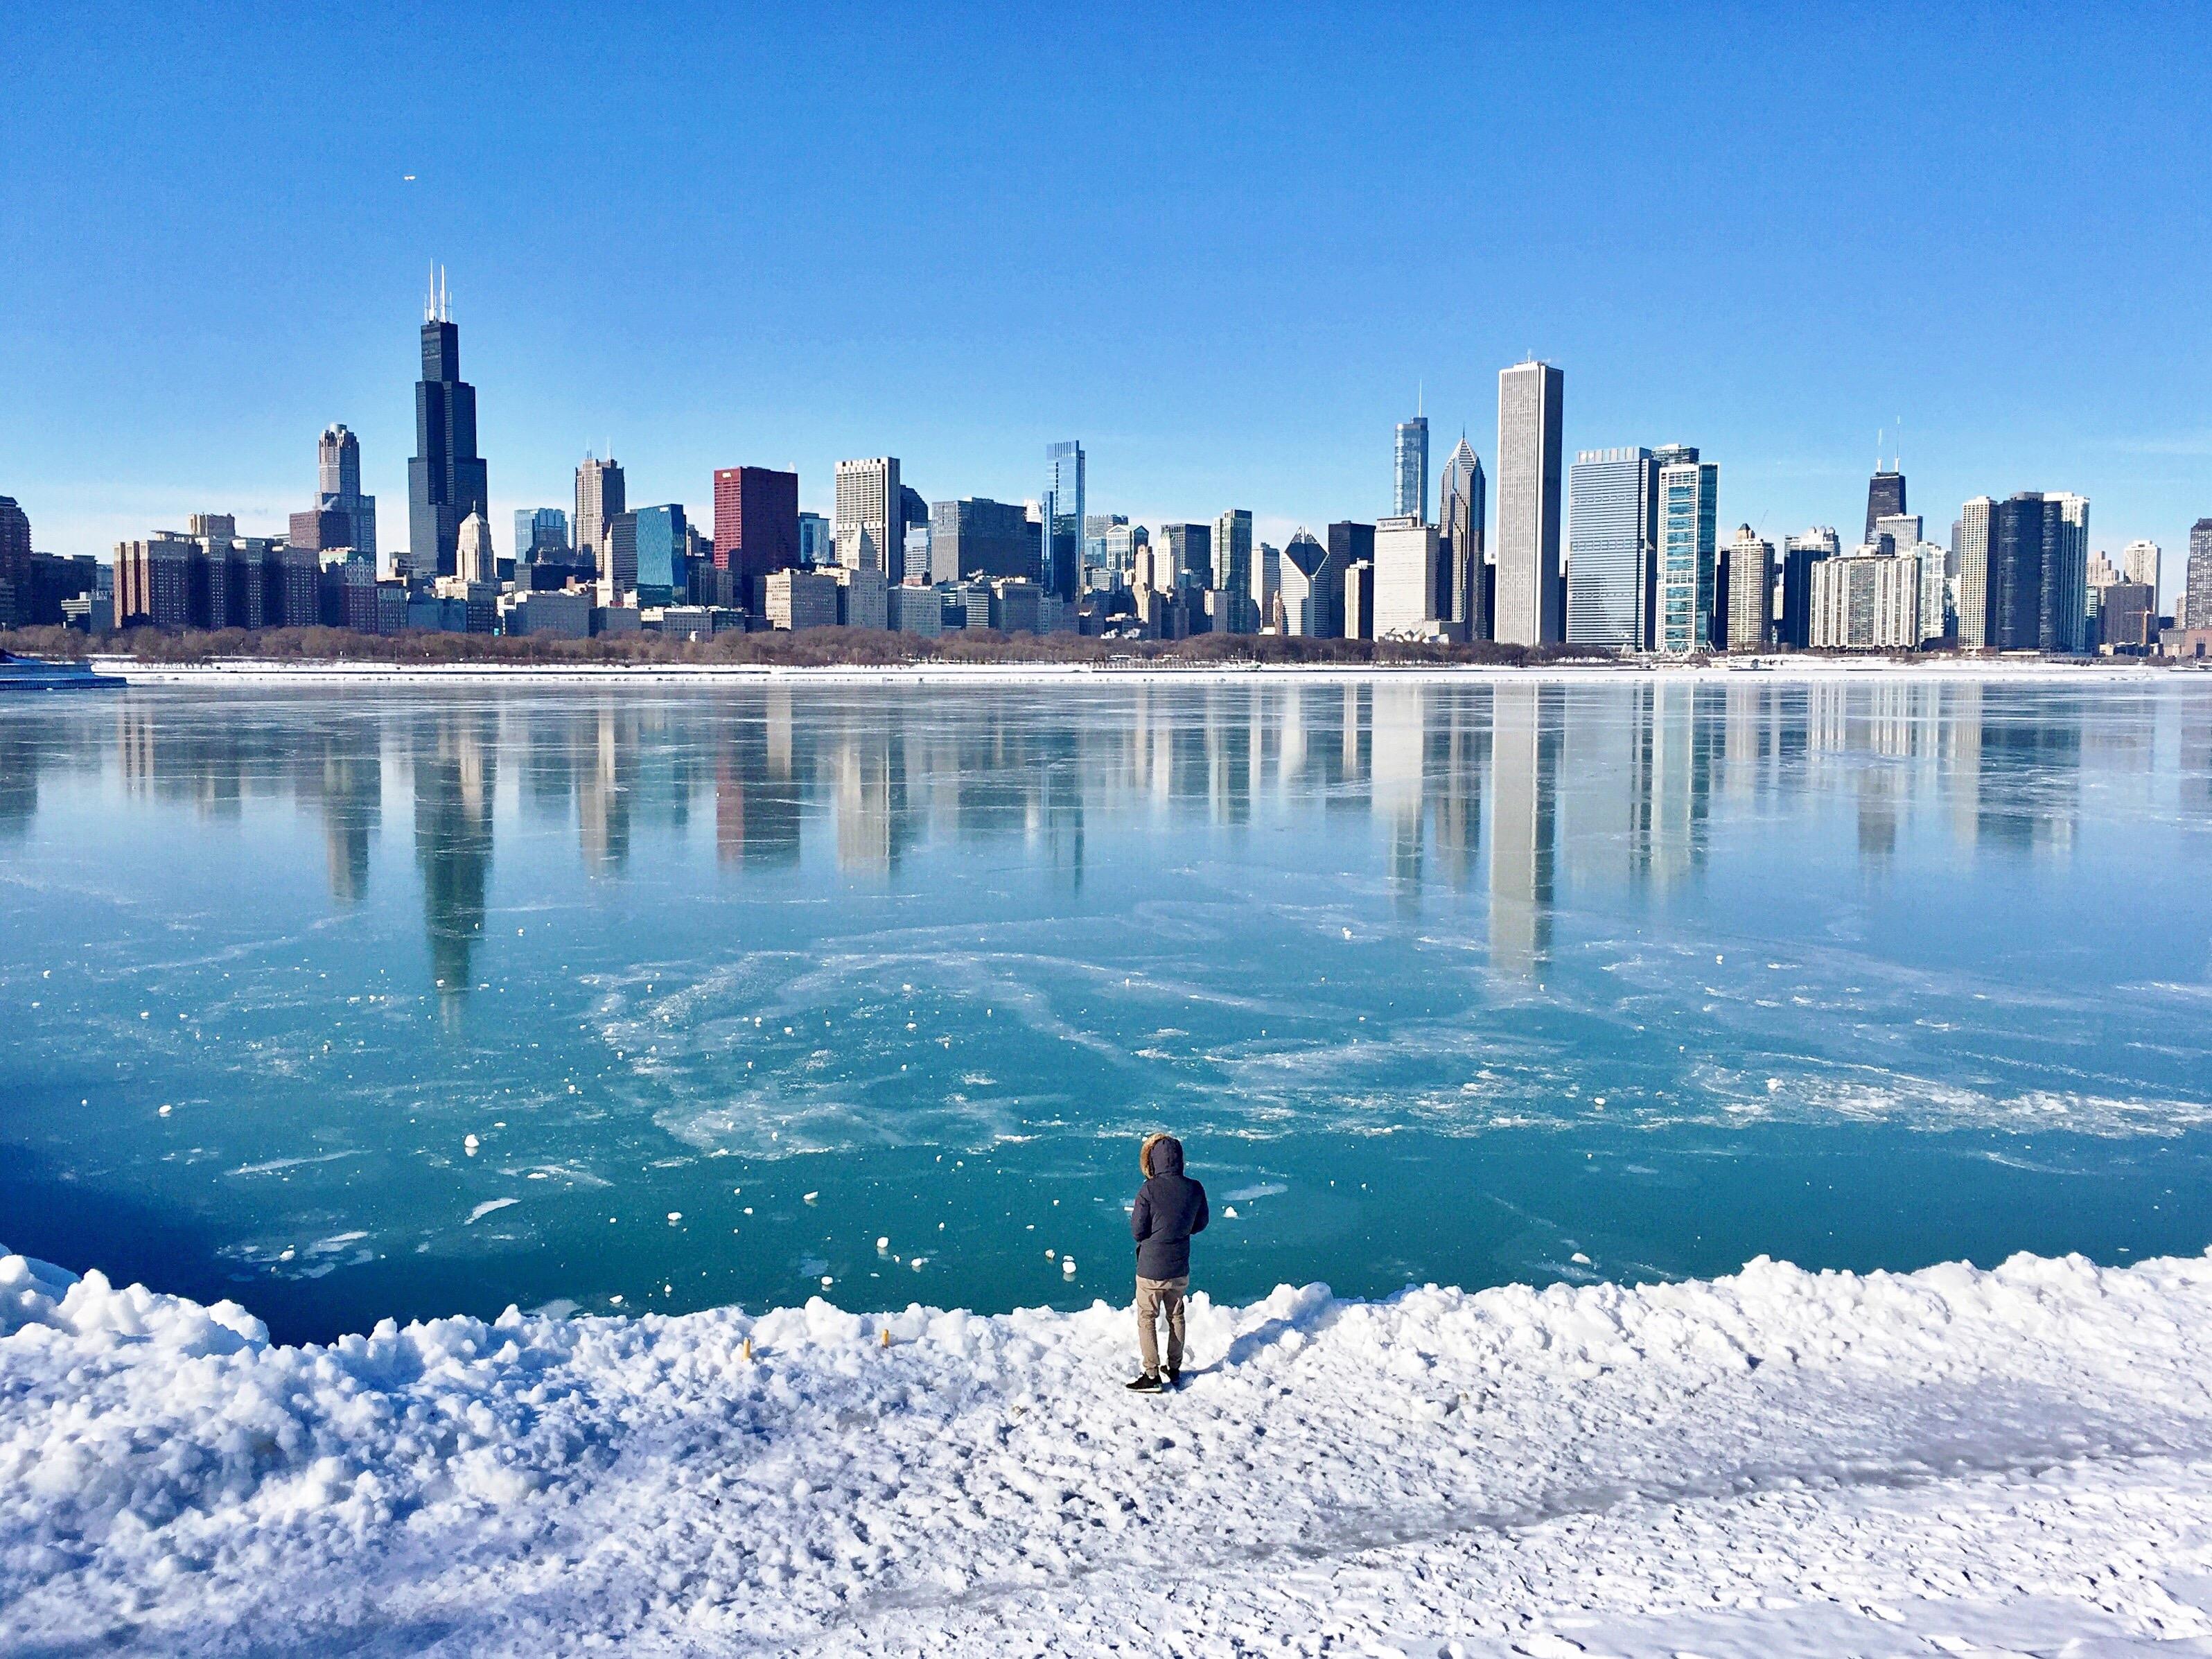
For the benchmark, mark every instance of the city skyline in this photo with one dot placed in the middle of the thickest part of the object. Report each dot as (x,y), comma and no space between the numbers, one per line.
(1781,367)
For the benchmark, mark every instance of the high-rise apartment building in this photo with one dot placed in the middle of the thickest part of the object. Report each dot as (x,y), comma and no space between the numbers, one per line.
(2016,563)
(1869,602)
(16,561)
(338,486)
(2062,621)
(1232,553)
(1061,521)
(1530,599)
(871,514)
(1462,506)
(1751,591)
(1409,491)
(2196,606)
(1973,544)
(756,526)
(16,558)
(1404,578)
(1800,553)
(600,500)
(445,479)
(1938,618)
(1885,498)
(1612,501)
(1900,531)
(1688,529)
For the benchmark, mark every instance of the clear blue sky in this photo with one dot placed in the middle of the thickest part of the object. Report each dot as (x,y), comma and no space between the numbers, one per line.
(1222,247)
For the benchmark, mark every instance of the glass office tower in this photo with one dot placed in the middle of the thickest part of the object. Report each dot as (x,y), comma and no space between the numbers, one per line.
(1613,500)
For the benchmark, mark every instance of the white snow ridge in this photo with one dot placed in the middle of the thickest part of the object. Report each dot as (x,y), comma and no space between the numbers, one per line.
(1951,1462)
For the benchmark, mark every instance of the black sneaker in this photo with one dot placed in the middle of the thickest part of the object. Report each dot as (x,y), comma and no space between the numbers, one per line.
(1172,1375)
(1145,1384)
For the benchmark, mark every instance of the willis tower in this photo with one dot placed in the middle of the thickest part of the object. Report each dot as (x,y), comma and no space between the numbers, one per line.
(446,478)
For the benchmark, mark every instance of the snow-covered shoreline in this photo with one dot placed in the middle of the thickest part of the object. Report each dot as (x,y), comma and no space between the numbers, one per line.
(1954,1461)
(262,674)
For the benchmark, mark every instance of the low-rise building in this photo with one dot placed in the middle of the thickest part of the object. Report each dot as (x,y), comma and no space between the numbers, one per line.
(554,614)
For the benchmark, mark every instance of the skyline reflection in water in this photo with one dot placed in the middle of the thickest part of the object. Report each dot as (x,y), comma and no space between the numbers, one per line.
(659,936)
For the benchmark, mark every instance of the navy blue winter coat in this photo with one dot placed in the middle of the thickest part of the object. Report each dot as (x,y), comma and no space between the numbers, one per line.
(1169,1208)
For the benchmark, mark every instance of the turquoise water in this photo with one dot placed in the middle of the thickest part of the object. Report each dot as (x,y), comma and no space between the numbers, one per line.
(1464,980)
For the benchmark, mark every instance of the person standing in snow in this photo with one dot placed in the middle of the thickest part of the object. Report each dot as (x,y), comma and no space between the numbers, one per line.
(1169,1208)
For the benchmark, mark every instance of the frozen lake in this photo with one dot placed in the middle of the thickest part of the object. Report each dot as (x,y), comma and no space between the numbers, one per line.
(1466,982)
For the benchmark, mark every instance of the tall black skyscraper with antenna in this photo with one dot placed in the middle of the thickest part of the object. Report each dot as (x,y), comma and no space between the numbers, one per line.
(1884,492)
(445,479)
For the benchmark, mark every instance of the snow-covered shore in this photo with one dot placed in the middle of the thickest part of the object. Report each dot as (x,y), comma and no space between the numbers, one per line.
(265,674)
(1950,1461)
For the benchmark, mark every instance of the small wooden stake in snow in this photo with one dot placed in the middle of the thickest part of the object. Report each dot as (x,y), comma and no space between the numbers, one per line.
(887,1336)
(749,1348)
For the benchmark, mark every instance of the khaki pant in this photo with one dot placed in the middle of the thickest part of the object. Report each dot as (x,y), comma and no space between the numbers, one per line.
(1154,1298)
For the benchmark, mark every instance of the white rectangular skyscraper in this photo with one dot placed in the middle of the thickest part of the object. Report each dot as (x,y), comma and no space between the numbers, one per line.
(1529,599)
(1612,498)
(871,523)
(1404,578)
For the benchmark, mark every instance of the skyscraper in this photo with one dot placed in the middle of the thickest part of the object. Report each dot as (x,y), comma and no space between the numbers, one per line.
(1612,497)
(1799,555)
(1405,578)
(1063,520)
(1976,545)
(2016,562)
(1232,553)
(977,536)
(870,516)
(16,562)
(1688,528)
(540,532)
(1313,590)
(756,527)
(2196,581)
(1186,551)
(1902,530)
(661,548)
(337,486)
(1751,591)
(2139,563)
(600,500)
(2064,612)
(1462,507)
(475,559)
(1409,496)
(1529,599)
(446,480)
(1885,496)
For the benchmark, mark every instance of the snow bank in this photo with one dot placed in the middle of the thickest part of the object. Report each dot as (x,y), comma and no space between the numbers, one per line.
(1952,1460)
